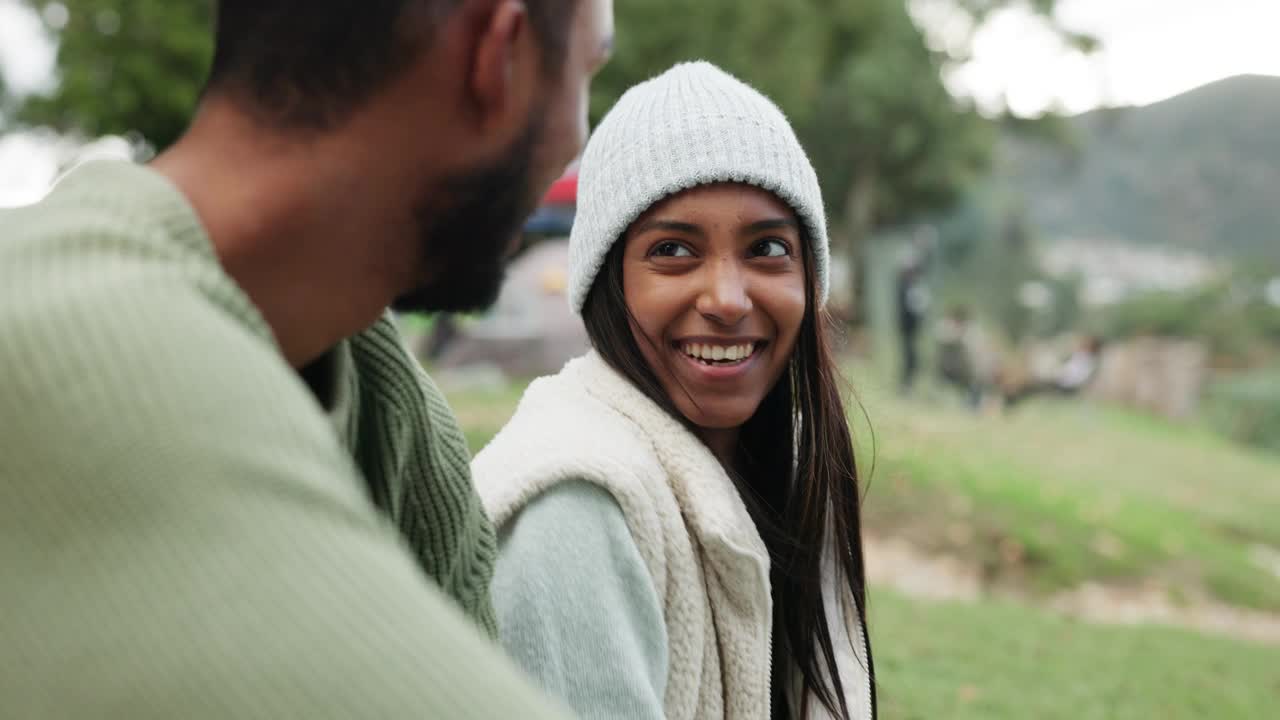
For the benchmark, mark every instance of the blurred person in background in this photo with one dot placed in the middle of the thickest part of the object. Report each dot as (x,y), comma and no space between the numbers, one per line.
(1068,379)
(912,296)
(678,510)
(957,360)
(229,490)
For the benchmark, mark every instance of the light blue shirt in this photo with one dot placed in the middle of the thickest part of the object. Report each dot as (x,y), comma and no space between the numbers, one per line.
(576,605)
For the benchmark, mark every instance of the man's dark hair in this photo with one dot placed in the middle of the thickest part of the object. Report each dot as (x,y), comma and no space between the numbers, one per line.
(310,65)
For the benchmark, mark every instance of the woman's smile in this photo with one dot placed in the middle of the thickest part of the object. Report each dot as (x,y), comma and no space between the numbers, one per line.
(714,280)
(716,360)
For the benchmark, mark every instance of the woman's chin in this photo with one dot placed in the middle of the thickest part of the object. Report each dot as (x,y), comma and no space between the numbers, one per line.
(718,415)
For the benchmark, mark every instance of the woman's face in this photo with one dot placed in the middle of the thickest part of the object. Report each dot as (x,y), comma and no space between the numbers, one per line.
(714,277)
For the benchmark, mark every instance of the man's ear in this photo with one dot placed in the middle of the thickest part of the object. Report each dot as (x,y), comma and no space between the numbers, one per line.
(503,43)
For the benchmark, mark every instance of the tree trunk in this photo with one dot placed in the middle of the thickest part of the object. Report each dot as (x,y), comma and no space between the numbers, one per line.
(859,218)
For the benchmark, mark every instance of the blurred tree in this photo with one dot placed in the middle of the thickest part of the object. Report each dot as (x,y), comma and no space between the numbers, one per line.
(124,66)
(887,137)
(987,253)
(1011,270)
(6,100)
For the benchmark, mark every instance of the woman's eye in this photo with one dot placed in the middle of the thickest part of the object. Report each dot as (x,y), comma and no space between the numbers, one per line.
(772,247)
(670,249)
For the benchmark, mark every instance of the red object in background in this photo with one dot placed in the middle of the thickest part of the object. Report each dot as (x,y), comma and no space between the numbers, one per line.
(563,191)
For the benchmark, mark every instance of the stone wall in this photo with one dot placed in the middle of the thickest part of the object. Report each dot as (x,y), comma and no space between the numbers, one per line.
(1164,376)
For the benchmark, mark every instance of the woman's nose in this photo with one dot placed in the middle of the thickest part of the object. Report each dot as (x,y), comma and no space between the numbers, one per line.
(724,296)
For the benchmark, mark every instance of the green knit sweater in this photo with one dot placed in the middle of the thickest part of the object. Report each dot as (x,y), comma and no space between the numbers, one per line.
(182,532)
(413,458)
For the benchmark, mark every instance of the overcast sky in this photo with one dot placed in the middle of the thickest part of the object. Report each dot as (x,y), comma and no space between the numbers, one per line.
(1151,50)
(26,56)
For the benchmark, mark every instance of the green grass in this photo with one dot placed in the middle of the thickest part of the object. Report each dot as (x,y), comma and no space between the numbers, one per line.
(993,661)
(1063,492)
(483,412)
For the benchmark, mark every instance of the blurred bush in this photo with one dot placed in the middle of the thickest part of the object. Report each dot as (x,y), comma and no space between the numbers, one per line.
(1246,407)
(1232,317)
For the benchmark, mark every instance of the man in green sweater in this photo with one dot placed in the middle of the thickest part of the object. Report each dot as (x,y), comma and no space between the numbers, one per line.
(228,490)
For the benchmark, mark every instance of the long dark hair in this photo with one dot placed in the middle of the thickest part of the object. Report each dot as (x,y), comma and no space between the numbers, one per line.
(796,491)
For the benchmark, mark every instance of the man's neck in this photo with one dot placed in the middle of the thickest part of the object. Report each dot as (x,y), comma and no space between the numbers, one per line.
(305,254)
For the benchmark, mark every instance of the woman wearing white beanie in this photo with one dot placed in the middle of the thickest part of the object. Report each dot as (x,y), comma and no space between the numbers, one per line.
(678,510)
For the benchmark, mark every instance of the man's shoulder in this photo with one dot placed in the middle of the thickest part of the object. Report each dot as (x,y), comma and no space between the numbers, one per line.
(88,306)
(104,199)
(97,262)
(81,291)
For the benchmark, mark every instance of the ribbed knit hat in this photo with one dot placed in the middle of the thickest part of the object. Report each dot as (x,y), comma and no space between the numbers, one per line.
(693,125)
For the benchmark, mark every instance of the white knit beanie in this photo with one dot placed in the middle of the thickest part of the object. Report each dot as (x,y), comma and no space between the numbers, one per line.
(693,125)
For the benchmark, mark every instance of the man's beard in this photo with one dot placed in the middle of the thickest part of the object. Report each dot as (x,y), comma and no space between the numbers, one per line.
(467,227)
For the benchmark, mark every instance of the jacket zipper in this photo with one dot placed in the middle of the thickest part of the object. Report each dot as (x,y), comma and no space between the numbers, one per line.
(870,713)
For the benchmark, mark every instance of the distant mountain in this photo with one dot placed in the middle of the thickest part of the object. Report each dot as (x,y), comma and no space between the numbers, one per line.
(1199,171)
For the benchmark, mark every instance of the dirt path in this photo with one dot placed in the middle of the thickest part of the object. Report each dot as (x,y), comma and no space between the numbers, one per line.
(896,564)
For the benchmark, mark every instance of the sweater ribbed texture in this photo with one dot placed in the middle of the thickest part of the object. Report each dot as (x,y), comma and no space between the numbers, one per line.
(415,461)
(183,534)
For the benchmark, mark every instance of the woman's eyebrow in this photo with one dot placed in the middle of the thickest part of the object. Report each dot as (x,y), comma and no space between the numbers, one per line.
(771,224)
(669,226)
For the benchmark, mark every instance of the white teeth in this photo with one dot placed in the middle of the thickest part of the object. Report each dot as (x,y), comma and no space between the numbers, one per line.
(731,353)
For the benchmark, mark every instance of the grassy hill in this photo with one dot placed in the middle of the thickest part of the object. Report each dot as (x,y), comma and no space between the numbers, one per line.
(1199,171)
